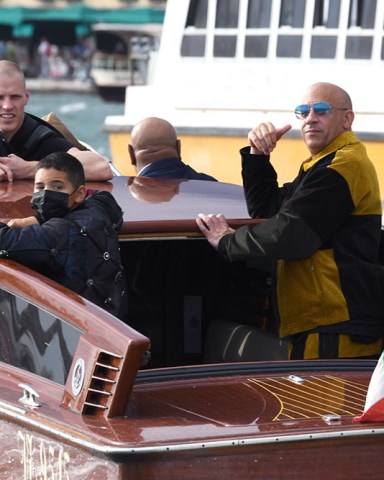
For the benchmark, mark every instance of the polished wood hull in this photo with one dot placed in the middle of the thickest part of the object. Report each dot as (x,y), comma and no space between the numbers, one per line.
(237,421)
(168,393)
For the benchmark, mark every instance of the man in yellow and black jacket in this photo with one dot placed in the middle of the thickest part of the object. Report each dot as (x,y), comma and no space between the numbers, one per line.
(322,232)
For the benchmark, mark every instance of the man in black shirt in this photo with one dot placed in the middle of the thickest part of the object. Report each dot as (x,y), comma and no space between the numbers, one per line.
(24,140)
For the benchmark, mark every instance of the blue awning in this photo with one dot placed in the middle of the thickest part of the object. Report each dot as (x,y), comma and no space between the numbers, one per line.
(15,16)
(24,30)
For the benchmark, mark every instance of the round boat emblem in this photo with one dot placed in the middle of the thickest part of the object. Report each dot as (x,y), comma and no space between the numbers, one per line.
(78,377)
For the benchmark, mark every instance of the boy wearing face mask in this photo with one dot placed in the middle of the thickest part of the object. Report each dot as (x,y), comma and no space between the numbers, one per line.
(73,238)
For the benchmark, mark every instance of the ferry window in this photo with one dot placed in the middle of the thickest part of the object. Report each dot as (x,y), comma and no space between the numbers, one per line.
(289,46)
(362,13)
(110,43)
(327,14)
(259,14)
(359,48)
(323,47)
(227,13)
(193,46)
(292,13)
(256,47)
(197,14)
(34,340)
(224,46)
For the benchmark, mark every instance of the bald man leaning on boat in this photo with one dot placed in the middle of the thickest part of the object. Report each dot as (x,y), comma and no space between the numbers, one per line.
(322,232)
(155,151)
(24,140)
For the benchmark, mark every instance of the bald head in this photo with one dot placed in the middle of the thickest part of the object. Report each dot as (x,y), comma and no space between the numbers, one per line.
(329,92)
(11,70)
(319,131)
(14,97)
(152,139)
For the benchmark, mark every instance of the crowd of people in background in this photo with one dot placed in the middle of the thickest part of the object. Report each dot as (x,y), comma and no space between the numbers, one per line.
(47,60)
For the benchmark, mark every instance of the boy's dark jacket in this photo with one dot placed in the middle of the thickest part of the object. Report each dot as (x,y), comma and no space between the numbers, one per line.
(79,251)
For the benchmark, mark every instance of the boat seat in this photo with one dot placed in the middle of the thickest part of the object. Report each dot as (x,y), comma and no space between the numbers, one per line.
(228,341)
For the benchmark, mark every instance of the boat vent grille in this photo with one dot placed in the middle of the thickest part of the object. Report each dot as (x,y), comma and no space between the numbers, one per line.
(102,384)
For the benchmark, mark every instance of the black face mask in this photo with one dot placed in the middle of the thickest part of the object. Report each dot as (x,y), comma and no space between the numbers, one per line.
(50,204)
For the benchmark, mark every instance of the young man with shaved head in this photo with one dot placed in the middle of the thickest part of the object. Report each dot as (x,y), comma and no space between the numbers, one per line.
(25,141)
(322,231)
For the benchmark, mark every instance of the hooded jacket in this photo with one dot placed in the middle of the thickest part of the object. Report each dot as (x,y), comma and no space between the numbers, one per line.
(323,233)
(79,250)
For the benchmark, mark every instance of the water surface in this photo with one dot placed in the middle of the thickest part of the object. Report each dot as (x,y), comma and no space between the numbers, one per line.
(83,114)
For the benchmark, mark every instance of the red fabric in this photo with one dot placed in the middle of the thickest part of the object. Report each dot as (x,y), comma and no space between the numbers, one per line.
(373,414)
(374,402)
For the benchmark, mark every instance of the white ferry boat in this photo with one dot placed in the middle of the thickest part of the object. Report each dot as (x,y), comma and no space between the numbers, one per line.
(123,55)
(225,65)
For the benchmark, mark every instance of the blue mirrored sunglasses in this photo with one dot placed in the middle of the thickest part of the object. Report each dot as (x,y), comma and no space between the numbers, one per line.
(319,108)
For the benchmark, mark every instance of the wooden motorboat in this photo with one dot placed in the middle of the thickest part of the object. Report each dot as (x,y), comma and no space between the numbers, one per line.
(193,384)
